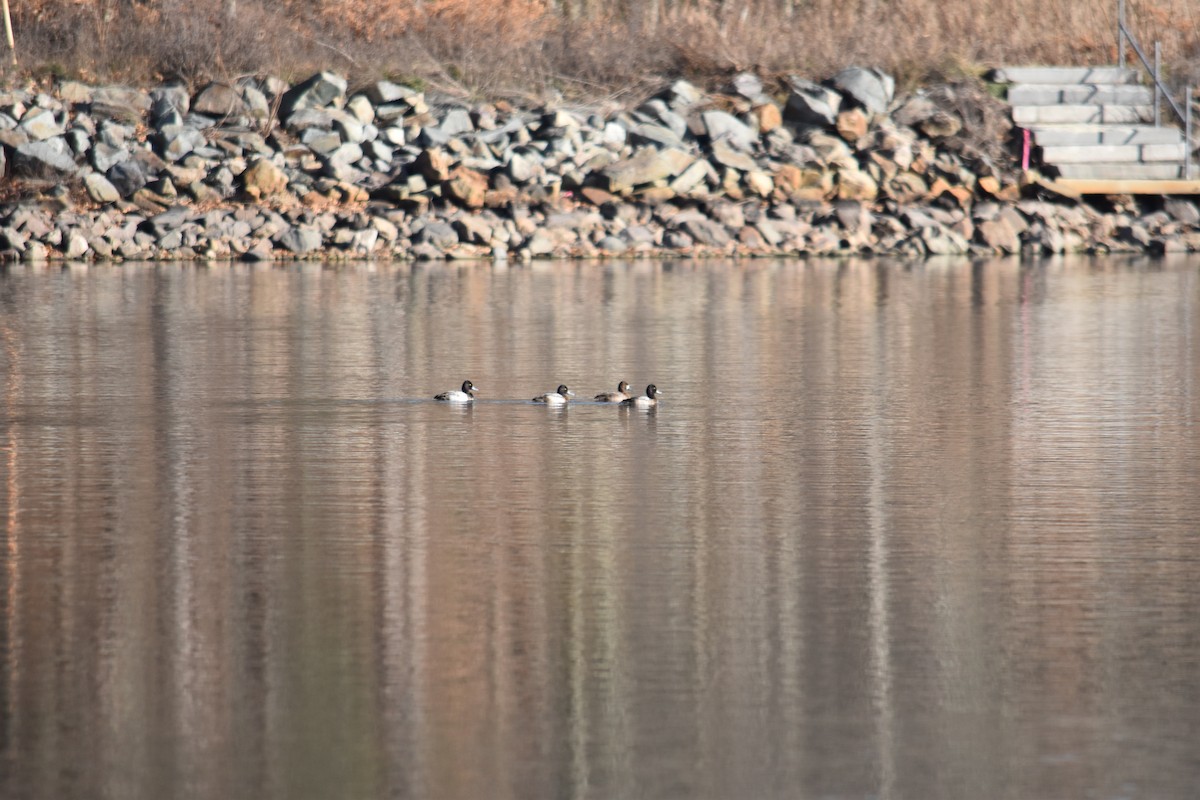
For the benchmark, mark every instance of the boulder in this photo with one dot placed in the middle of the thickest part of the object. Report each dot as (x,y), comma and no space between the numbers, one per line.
(48,159)
(722,126)
(319,91)
(466,187)
(219,100)
(811,104)
(263,179)
(645,166)
(127,177)
(40,124)
(300,239)
(100,188)
(871,89)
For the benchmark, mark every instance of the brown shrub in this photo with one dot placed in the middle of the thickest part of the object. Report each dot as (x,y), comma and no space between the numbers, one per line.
(587,47)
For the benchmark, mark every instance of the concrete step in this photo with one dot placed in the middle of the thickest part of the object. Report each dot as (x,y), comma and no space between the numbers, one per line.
(1079,93)
(1072,114)
(1060,135)
(1114,153)
(1060,75)
(1121,171)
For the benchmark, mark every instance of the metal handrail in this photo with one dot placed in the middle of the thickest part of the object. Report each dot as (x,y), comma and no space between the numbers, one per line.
(1160,90)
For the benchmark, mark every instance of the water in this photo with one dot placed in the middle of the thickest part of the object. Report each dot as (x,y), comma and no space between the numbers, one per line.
(898,530)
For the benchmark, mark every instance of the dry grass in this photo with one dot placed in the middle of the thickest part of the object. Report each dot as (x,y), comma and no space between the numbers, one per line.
(584,48)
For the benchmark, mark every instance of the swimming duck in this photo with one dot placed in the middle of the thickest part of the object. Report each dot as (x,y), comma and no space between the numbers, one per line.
(465,395)
(556,398)
(622,393)
(648,400)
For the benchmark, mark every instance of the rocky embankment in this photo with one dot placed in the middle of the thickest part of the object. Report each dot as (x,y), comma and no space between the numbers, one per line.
(261,170)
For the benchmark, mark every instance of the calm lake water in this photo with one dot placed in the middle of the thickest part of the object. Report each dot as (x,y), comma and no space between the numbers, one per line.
(898,530)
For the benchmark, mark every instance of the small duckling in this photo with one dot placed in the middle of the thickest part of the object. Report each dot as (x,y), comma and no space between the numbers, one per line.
(648,400)
(622,393)
(556,398)
(465,395)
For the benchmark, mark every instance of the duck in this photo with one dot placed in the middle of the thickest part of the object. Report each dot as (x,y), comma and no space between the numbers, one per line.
(622,393)
(648,400)
(464,395)
(556,398)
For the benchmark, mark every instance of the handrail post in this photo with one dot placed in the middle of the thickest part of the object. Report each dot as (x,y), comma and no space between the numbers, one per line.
(1158,84)
(1121,34)
(1187,133)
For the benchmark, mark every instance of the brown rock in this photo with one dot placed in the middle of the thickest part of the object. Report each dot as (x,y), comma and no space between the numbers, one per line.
(854,184)
(466,187)
(940,125)
(596,197)
(769,117)
(852,124)
(433,164)
(907,187)
(263,179)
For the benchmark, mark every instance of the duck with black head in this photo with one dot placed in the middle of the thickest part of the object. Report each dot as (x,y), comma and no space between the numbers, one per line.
(558,397)
(464,395)
(648,400)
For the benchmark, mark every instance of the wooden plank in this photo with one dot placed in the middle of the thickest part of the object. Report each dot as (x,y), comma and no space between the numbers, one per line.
(1081,186)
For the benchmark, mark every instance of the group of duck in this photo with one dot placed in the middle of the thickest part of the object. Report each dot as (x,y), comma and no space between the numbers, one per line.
(562,395)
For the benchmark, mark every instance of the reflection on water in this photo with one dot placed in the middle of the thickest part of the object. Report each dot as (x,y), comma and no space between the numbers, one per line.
(897,530)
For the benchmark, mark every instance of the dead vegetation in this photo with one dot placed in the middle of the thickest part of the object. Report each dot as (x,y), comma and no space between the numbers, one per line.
(584,48)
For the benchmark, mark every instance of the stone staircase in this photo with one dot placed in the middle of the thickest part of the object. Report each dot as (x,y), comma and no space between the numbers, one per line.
(1093,124)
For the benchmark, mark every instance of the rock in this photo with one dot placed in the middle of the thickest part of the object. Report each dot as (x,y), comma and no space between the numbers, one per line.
(759,183)
(914,110)
(940,241)
(100,189)
(811,104)
(854,184)
(176,141)
(219,100)
(48,159)
(127,177)
(941,125)
(319,91)
(263,179)
(438,234)
(871,89)
(721,126)
(1181,210)
(748,85)
(852,125)
(40,124)
(300,240)
(645,166)
(457,122)
(120,102)
(998,235)
(466,187)
(727,156)
(693,177)
(433,165)
(75,246)
(682,95)
(769,117)
(384,92)
(706,232)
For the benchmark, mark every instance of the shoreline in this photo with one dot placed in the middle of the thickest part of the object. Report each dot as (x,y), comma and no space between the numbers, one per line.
(259,170)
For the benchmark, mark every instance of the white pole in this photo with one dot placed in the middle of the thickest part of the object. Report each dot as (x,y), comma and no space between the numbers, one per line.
(8,35)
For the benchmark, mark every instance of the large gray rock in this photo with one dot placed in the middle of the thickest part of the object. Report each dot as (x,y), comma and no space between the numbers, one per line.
(872,89)
(300,240)
(49,159)
(723,126)
(811,104)
(645,166)
(40,124)
(319,91)
(127,176)
(176,141)
(100,189)
(219,100)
